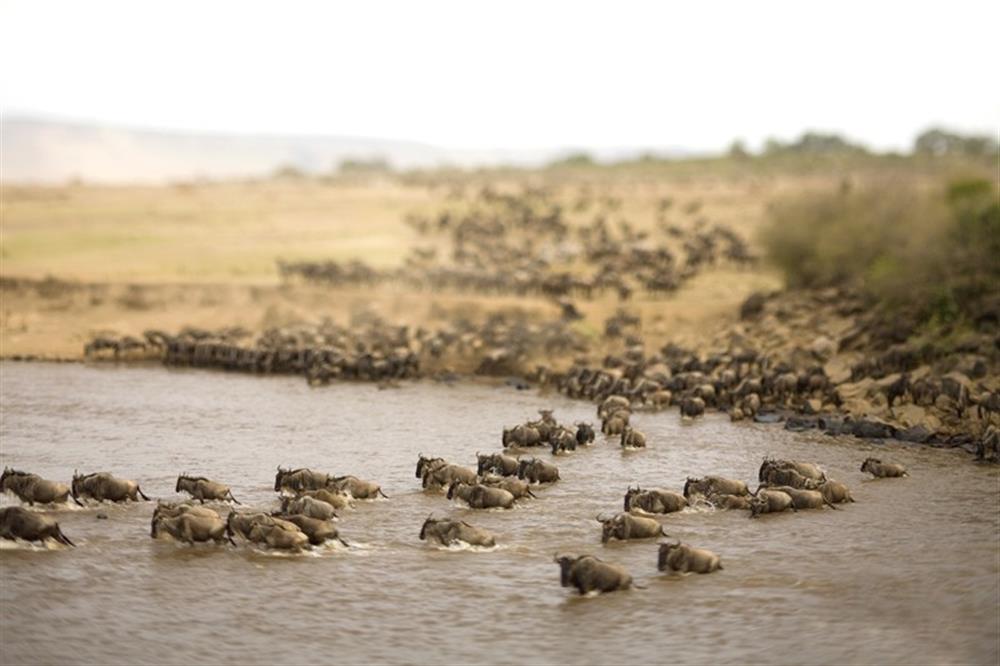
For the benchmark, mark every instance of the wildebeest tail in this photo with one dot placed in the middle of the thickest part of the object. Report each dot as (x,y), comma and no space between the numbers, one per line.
(62,538)
(379,491)
(141,494)
(235,501)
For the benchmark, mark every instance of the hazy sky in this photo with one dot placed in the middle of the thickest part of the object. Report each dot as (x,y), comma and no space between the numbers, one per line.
(519,75)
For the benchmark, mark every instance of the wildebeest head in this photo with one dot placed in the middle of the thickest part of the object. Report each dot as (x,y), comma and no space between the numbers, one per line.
(452,487)
(423,530)
(869,463)
(485,462)
(609,527)
(692,485)
(523,466)
(507,436)
(665,548)
(277,478)
(565,566)
(629,494)
(425,463)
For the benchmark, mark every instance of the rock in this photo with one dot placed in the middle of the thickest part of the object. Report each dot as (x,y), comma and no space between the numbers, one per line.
(914,415)
(800,423)
(768,417)
(835,425)
(917,434)
(102,516)
(838,368)
(873,429)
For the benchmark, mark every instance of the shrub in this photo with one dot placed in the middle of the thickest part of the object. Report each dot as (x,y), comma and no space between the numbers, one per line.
(932,250)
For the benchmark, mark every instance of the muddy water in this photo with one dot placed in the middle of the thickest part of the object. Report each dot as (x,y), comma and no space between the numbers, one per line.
(908,574)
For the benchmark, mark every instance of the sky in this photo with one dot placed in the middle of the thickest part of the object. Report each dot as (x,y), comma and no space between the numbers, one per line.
(510,75)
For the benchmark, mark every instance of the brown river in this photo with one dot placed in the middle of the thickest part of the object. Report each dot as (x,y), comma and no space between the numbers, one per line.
(908,574)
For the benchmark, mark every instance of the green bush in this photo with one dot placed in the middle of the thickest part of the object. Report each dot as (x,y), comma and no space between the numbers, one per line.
(934,250)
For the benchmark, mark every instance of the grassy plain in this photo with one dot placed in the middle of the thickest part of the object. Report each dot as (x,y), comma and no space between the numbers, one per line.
(80,259)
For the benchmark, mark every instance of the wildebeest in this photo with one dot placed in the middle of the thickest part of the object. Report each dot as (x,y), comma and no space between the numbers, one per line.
(267,530)
(808,470)
(881,470)
(786,476)
(682,558)
(521,436)
(770,501)
(297,480)
(625,526)
(804,499)
(714,485)
(308,506)
(317,530)
(588,574)
(729,502)
(436,473)
(537,471)
(496,463)
(448,532)
(100,486)
(174,509)
(516,487)
(615,423)
(562,439)
(481,497)
(33,489)
(335,499)
(655,500)
(584,434)
(835,492)
(190,528)
(692,407)
(203,489)
(632,438)
(18,523)
(612,404)
(355,487)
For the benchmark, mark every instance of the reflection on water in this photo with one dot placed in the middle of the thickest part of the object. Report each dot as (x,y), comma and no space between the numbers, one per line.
(909,574)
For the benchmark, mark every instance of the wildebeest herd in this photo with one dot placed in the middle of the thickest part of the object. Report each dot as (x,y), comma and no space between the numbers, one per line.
(308,502)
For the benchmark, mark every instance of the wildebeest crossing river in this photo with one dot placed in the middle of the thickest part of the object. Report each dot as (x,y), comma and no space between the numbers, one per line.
(908,574)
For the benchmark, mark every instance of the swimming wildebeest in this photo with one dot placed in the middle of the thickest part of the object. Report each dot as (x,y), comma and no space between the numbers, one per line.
(881,470)
(174,509)
(835,492)
(714,485)
(692,408)
(438,474)
(615,423)
(584,434)
(317,530)
(481,497)
(190,528)
(100,486)
(203,489)
(682,558)
(537,471)
(516,487)
(625,526)
(804,499)
(632,438)
(18,523)
(521,435)
(33,489)
(656,500)
(588,574)
(261,528)
(357,488)
(562,439)
(497,463)
(300,479)
(612,404)
(308,506)
(807,470)
(770,501)
(449,531)
(335,499)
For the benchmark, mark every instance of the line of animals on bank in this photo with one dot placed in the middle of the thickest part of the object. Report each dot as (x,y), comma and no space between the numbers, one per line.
(309,500)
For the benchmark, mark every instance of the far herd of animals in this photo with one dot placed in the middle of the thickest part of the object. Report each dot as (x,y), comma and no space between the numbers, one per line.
(309,500)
